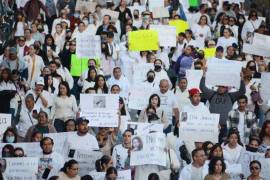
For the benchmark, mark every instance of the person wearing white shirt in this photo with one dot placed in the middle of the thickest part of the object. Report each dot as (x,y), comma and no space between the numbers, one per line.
(201,31)
(63,17)
(121,81)
(189,39)
(28,37)
(250,25)
(168,102)
(82,139)
(121,154)
(35,66)
(198,169)
(181,93)
(196,17)
(49,160)
(226,40)
(28,117)
(150,82)
(180,46)
(127,62)
(160,73)
(195,104)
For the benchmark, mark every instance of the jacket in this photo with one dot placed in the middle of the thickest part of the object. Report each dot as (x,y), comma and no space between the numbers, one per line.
(250,123)
(221,103)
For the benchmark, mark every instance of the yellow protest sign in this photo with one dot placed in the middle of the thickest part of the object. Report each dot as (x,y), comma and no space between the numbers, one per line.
(181,25)
(78,65)
(209,52)
(143,40)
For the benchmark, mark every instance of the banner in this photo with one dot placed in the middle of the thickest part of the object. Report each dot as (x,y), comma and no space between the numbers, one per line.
(265,162)
(166,35)
(20,168)
(143,40)
(144,128)
(245,158)
(209,52)
(85,6)
(148,149)
(155,3)
(193,78)
(86,160)
(78,65)
(140,71)
(198,127)
(30,149)
(88,46)
(223,73)
(100,109)
(160,12)
(5,122)
(181,25)
(193,3)
(265,86)
(139,97)
(59,140)
(114,14)
(122,175)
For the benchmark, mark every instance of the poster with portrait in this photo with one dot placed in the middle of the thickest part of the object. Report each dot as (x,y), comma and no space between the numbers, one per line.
(148,149)
(100,109)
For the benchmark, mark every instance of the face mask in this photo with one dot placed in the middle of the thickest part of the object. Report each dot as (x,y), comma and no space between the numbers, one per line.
(85,21)
(6,154)
(197,68)
(150,79)
(136,16)
(241,20)
(40,30)
(10,139)
(91,67)
(251,149)
(157,68)
(76,15)
(200,56)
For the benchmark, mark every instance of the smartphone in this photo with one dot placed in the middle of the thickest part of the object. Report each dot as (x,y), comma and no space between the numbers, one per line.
(71,153)
(46,173)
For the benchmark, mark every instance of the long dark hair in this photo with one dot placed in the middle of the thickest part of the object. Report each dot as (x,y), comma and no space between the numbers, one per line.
(100,162)
(88,74)
(7,70)
(212,165)
(68,164)
(111,170)
(105,87)
(236,132)
(262,132)
(211,154)
(152,96)
(46,86)
(64,83)
(10,129)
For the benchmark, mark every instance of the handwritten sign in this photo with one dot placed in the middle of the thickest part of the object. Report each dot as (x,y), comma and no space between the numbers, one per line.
(114,14)
(194,78)
(88,46)
(100,109)
(160,12)
(148,149)
(265,86)
(144,128)
(181,25)
(143,40)
(85,6)
(139,97)
(5,122)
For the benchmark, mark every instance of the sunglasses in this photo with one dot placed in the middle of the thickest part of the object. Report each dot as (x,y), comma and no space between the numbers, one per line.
(254,168)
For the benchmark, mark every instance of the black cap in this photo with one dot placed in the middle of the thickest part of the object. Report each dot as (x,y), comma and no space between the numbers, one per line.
(81,120)
(219,49)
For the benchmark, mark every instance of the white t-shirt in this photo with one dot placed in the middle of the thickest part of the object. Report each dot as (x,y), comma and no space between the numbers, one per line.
(200,108)
(241,126)
(119,156)
(86,142)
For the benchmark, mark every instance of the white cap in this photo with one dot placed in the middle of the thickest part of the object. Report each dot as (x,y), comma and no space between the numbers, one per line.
(40,81)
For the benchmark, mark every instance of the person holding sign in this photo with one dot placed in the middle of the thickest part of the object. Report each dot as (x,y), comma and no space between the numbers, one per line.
(50,162)
(221,101)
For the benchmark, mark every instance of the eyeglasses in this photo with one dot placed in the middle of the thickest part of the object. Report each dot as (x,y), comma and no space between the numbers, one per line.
(254,168)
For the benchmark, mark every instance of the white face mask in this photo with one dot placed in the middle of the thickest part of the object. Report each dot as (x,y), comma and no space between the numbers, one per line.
(85,21)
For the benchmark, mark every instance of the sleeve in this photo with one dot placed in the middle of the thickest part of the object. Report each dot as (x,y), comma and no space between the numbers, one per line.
(241,91)
(143,116)
(208,93)
(74,105)
(244,31)
(164,119)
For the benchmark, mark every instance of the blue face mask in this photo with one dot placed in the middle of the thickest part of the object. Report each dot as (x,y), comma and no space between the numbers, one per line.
(10,139)
(76,15)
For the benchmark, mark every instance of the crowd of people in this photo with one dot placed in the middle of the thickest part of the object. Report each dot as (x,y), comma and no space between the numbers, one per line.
(41,93)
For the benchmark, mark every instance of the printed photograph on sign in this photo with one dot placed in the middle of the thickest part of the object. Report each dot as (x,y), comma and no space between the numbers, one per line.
(137,144)
(99,102)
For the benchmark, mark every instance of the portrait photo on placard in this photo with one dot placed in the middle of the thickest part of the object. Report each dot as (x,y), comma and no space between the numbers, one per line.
(99,102)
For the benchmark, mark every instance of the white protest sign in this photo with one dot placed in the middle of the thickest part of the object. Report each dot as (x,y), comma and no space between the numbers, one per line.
(122,175)
(144,128)
(114,14)
(155,3)
(5,122)
(166,35)
(139,8)
(85,6)
(223,73)
(245,158)
(148,149)
(140,71)
(193,78)
(100,109)
(88,45)
(265,86)
(139,97)
(198,127)
(86,160)
(59,140)
(257,45)
(265,162)
(30,149)
(21,168)
(160,12)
